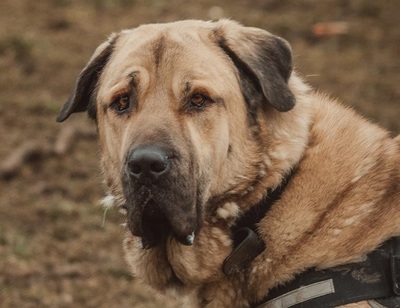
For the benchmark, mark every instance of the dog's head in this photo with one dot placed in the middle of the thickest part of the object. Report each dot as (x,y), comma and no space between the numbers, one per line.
(178,108)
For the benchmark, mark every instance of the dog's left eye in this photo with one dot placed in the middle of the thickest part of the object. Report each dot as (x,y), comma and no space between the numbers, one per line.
(121,103)
(198,100)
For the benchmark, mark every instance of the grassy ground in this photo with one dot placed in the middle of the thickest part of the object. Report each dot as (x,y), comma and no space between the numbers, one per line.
(55,248)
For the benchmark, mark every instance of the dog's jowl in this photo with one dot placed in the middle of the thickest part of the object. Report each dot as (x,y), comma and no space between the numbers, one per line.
(235,175)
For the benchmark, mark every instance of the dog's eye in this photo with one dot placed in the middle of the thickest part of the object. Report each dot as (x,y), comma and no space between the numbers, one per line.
(198,100)
(121,103)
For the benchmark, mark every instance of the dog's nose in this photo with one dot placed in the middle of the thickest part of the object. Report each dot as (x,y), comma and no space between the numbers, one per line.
(148,162)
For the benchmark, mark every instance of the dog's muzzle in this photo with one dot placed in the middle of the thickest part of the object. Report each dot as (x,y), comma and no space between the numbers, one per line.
(158,200)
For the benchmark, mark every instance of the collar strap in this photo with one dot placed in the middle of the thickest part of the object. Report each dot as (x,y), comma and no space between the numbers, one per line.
(246,243)
(247,246)
(378,277)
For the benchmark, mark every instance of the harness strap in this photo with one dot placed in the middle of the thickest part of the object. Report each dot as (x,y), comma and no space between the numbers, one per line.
(395,265)
(374,278)
(377,278)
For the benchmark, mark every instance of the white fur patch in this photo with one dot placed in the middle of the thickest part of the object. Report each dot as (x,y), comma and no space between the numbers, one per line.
(111,200)
(190,238)
(263,172)
(108,201)
(122,211)
(351,220)
(366,207)
(228,210)
(267,162)
(363,169)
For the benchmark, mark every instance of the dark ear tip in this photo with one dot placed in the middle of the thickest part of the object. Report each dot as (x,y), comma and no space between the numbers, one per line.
(63,114)
(287,105)
(60,118)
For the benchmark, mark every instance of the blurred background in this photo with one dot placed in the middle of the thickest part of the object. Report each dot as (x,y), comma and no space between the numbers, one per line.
(57,246)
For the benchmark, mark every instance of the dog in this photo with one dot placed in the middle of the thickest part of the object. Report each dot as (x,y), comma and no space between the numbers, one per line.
(202,122)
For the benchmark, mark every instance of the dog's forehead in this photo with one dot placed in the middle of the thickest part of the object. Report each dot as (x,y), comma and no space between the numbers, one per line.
(175,51)
(177,31)
(160,43)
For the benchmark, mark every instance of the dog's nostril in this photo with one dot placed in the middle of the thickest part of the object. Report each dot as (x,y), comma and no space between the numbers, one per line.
(158,166)
(135,169)
(148,161)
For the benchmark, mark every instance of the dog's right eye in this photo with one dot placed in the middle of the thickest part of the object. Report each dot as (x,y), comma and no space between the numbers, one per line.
(121,103)
(199,100)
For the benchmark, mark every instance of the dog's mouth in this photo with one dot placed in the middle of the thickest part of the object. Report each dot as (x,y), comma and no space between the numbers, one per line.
(155,224)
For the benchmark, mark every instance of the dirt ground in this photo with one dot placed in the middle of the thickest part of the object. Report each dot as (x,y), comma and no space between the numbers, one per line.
(57,247)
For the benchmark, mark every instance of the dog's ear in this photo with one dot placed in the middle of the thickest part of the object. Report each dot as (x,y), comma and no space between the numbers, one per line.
(264,62)
(82,97)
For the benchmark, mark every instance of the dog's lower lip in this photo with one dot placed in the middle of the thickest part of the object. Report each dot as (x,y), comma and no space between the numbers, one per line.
(154,220)
(151,224)
(187,241)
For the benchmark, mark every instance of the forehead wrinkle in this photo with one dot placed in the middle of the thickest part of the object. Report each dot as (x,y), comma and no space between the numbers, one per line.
(133,77)
(165,48)
(159,47)
(167,51)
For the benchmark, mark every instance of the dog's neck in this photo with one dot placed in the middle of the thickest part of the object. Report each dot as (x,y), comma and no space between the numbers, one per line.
(275,159)
(246,242)
(251,217)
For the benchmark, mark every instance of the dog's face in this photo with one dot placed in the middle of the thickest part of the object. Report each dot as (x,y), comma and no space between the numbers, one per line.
(178,108)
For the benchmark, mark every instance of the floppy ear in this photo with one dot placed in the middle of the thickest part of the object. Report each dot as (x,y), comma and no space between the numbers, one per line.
(82,97)
(264,62)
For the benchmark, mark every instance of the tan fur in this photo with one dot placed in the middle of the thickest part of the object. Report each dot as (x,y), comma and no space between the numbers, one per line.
(342,202)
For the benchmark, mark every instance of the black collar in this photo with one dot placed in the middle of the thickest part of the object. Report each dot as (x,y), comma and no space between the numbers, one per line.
(246,243)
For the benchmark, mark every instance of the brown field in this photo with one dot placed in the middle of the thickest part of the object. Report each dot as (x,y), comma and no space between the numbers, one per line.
(57,248)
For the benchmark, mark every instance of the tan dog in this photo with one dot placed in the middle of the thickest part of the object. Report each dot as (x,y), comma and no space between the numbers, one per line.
(198,122)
